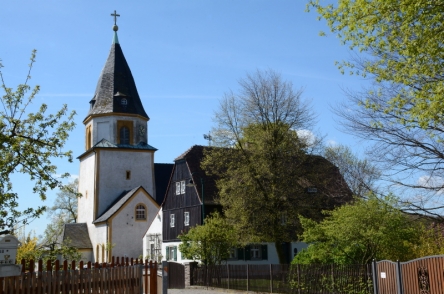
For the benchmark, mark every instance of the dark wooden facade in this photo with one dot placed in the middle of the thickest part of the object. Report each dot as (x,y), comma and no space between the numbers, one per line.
(187,169)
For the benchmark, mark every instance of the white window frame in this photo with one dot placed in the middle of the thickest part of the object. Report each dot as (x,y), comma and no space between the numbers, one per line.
(172,220)
(186,218)
(182,187)
(177,188)
(255,252)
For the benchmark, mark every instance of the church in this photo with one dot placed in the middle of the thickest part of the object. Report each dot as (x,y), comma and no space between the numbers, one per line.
(121,186)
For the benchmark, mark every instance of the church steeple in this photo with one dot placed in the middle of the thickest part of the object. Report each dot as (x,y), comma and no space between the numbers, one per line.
(116,91)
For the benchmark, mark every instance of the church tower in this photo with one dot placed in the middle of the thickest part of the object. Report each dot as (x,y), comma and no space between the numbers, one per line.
(116,177)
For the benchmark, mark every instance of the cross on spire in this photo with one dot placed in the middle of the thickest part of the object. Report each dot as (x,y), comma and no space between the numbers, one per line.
(115,17)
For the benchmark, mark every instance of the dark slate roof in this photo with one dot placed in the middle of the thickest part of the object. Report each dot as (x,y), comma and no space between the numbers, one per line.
(78,236)
(162,174)
(107,144)
(116,205)
(335,183)
(194,157)
(116,82)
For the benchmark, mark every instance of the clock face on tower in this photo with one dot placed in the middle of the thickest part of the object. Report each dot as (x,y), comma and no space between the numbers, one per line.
(141,130)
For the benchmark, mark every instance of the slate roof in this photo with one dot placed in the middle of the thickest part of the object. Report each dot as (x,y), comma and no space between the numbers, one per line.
(162,174)
(194,157)
(114,207)
(339,191)
(107,144)
(116,82)
(77,234)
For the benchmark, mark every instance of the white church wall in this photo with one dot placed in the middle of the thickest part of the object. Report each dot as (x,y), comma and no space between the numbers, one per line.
(86,187)
(152,240)
(127,231)
(114,166)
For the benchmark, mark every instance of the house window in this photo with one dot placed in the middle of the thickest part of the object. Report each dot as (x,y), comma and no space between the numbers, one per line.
(171,253)
(180,187)
(255,252)
(186,217)
(233,254)
(128,174)
(124,135)
(284,218)
(177,188)
(172,220)
(140,212)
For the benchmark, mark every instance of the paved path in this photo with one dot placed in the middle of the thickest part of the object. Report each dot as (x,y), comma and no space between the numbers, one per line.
(203,290)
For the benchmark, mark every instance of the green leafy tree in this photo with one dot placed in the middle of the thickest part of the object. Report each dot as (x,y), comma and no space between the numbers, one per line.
(210,243)
(404,41)
(264,172)
(359,232)
(400,48)
(28,143)
(63,211)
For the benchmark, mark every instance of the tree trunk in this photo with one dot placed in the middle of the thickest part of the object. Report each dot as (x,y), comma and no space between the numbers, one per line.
(280,252)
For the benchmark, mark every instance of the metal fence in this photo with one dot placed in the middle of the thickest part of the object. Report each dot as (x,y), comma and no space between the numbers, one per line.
(277,278)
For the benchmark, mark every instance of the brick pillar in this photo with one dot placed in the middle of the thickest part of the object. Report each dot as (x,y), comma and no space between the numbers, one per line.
(189,267)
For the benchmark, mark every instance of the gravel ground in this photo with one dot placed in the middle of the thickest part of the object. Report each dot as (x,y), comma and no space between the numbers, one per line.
(203,290)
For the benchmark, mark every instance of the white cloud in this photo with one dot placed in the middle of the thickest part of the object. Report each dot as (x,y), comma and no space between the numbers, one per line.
(307,135)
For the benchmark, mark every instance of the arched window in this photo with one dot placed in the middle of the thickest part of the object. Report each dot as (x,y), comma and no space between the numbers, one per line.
(124,135)
(88,137)
(140,212)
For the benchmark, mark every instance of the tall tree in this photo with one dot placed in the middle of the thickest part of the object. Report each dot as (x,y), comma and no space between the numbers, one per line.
(400,45)
(63,211)
(404,41)
(28,143)
(263,177)
(360,174)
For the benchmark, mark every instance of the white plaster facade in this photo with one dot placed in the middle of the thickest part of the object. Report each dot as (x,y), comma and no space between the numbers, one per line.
(271,249)
(152,240)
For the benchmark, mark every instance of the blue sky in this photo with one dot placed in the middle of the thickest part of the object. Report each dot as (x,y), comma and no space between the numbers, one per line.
(184,55)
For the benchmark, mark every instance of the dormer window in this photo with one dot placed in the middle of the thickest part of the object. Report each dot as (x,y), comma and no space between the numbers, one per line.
(123,102)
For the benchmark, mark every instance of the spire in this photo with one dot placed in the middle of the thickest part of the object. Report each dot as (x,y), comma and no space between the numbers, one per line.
(116,91)
(115,27)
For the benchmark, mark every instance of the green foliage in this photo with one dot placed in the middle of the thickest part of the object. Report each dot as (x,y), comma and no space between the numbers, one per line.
(359,232)
(404,41)
(211,243)
(29,249)
(28,143)
(265,167)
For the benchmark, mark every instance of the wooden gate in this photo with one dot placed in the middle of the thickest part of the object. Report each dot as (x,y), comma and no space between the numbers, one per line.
(423,275)
(176,275)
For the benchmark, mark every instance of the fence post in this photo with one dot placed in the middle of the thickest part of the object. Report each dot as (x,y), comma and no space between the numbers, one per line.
(399,277)
(165,277)
(248,280)
(141,277)
(375,277)
(228,276)
(271,278)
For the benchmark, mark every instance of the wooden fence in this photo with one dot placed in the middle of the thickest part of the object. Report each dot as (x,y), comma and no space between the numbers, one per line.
(121,276)
(281,278)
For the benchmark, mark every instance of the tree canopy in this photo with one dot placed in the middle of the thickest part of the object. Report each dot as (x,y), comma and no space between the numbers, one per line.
(28,143)
(404,41)
(211,243)
(265,169)
(358,232)
(400,49)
